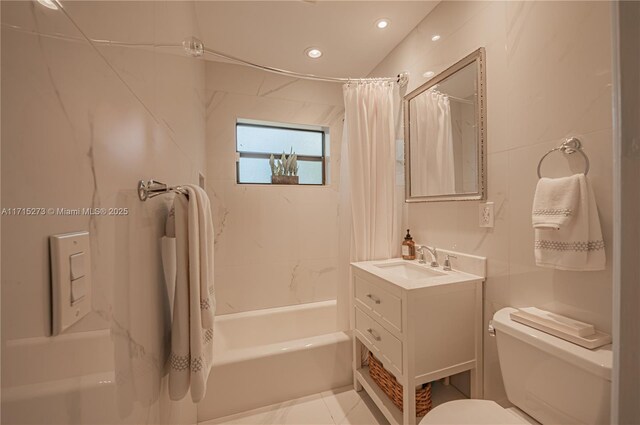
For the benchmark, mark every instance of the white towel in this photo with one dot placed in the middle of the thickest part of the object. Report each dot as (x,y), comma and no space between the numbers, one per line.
(168,253)
(555,202)
(578,245)
(194,305)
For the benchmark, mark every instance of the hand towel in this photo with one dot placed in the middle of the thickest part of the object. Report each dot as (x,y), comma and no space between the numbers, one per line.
(168,253)
(578,245)
(555,202)
(194,305)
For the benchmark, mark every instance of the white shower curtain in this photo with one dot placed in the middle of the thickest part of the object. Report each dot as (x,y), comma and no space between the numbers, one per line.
(432,160)
(369,220)
(370,131)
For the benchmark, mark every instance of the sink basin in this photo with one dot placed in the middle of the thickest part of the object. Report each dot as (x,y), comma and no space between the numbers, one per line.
(409,270)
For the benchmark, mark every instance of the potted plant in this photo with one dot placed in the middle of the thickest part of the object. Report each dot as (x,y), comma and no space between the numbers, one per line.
(285,169)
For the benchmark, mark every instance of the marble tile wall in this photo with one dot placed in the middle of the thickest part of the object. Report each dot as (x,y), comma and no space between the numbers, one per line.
(275,245)
(548,77)
(82,124)
(86,122)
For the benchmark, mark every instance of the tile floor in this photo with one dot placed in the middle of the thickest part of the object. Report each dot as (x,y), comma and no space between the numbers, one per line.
(339,406)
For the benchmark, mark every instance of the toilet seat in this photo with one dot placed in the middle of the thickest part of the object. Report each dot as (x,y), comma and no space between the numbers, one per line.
(476,412)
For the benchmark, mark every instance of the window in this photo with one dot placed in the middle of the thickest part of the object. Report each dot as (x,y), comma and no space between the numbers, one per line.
(256,141)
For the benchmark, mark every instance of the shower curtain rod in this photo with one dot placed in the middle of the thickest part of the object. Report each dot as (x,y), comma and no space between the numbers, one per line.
(402,79)
(196,48)
(459,99)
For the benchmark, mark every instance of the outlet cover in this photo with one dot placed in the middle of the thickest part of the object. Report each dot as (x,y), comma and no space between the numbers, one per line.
(486,215)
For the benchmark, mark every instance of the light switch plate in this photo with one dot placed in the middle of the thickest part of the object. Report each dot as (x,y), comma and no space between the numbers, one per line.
(486,214)
(62,247)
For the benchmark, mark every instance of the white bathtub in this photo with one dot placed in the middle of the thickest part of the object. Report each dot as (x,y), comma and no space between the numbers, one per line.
(268,356)
(71,379)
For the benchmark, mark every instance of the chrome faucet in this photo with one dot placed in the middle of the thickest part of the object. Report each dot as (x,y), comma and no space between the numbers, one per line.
(420,251)
(447,262)
(432,251)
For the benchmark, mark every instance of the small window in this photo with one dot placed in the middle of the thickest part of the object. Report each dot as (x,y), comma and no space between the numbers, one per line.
(256,142)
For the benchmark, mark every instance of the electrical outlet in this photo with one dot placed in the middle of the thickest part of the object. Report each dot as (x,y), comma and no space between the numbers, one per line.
(486,214)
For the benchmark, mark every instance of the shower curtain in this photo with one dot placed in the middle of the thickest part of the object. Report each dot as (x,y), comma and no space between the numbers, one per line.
(369,219)
(432,149)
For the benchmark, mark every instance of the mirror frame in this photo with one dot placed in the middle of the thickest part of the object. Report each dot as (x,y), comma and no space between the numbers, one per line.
(477,56)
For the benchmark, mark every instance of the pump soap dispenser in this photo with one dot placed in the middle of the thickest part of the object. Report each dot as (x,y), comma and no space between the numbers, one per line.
(408,248)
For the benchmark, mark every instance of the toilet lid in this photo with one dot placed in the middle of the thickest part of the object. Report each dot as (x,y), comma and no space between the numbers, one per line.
(476,412)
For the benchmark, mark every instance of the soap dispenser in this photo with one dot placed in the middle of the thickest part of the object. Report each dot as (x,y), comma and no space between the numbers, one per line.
(408,248)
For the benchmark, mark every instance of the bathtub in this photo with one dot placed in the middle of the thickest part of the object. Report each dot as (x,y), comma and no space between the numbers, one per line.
(268,356)
(71,379)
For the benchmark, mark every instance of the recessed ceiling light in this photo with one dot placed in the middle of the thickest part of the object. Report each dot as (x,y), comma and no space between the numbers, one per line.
(313,52)
(435,37)
(51,4)
(428,74)
(382,23)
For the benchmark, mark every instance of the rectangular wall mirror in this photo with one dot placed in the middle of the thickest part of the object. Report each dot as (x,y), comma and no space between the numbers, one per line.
(445,134)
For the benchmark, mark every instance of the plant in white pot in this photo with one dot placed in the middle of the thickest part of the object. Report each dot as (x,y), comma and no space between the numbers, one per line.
(285,169)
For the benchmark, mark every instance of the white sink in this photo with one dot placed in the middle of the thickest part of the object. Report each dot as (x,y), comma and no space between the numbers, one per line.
(409,270)
(413,275)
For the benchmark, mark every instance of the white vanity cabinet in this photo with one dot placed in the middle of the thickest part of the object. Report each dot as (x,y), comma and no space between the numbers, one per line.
(423,325)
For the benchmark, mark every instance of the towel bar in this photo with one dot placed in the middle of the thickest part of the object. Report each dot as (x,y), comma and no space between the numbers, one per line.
(569,146)
(152,188)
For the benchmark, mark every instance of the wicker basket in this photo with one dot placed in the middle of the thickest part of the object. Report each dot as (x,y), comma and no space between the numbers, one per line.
(388,383)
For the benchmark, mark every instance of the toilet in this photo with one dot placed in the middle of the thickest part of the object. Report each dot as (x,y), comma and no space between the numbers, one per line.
(547,379)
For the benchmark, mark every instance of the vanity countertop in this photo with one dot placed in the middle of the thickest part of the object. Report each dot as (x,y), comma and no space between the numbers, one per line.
(410,274)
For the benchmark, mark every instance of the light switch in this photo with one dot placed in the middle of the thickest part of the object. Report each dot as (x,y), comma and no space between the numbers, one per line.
(70,279)
(76,264)
(78,290)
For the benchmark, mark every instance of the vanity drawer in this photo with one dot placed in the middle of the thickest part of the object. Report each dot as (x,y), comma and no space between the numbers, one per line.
(387,347)
(379,303)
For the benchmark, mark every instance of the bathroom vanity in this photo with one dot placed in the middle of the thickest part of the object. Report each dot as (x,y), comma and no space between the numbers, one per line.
(422,323)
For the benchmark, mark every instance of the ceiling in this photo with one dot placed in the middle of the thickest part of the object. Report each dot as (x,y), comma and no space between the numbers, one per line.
(277,33)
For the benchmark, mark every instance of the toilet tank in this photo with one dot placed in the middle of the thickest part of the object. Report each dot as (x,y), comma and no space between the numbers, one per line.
(553,380)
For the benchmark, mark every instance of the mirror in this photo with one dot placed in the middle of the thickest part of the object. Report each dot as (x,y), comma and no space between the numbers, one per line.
(445,122)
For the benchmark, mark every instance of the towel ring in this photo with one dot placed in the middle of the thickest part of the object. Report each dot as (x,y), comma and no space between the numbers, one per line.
(569,146)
